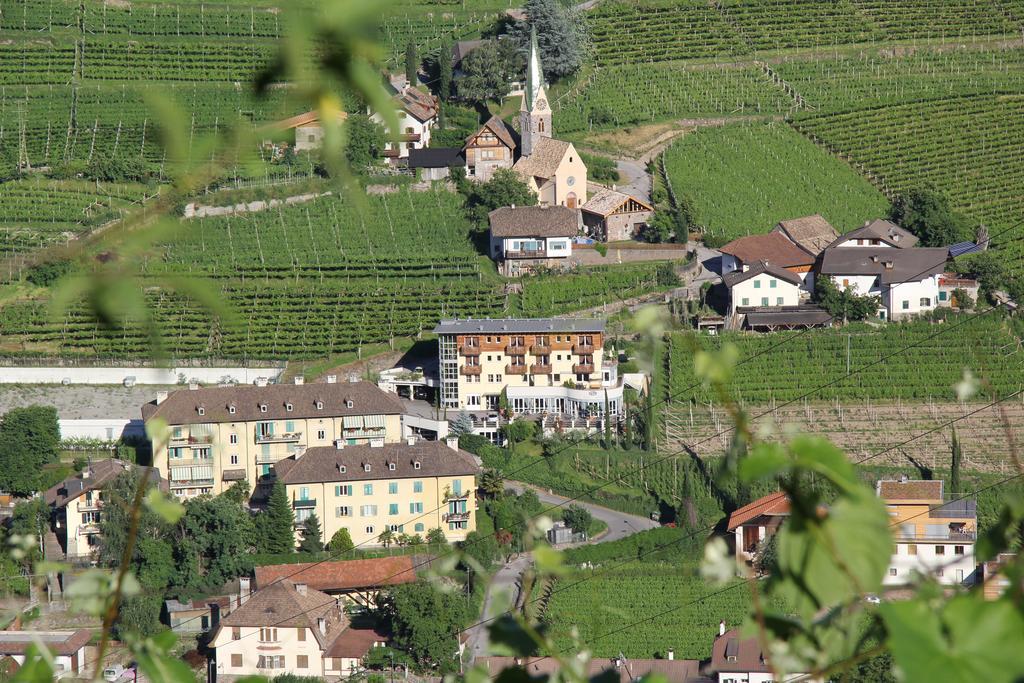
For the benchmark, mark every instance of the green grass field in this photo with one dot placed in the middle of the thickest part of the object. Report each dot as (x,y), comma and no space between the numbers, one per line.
(743,179)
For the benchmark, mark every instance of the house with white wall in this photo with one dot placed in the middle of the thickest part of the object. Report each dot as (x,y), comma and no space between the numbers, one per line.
(906,281)
(417,116)
(739,659)
(934,533)
(754,523)
(763,285)
(529,237)
(66,647)
(877,233)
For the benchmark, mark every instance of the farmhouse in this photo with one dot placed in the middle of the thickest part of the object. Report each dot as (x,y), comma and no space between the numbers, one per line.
(877,233)
(351,581)
(409,487)
(307,129)
(754,523)
(613,216)
(934,533)
(488,149)
(949,283)
(289,628)
(417,115)
(905,280)
(526,238)
(762,284)
(813,234)
(773,248)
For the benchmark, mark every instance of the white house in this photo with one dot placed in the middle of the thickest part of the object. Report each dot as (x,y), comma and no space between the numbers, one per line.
(735,659)
(877,233)
(417,115)
(905,280)
(528,237)
(934,535)
(67,648)
(752,524)
(762,284)
(774,248)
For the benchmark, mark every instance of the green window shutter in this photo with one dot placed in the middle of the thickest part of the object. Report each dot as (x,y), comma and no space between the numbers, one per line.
(393,509)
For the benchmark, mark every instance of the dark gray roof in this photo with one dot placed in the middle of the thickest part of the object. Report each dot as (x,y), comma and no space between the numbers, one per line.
(908,265)
(879,229)
(321,463)
(182,407)
(534,221)
(436,157)
(734,278)
(519,325)
(795,316)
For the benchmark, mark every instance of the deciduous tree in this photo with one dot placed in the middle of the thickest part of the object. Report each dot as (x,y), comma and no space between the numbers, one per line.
(577,518)
(341,542)
(927,214)
(29,439)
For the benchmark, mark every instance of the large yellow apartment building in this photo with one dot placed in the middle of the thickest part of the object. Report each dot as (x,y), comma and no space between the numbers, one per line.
(409,487)
(220,435)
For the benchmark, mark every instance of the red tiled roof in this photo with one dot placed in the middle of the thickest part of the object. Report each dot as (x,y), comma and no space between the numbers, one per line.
(354,643)
(341,575)
(774,247)
(773,504)
(61,643)
(912,489)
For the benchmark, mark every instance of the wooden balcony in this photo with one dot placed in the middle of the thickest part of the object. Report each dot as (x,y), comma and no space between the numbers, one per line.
(516,369)
(540,369)
(409,137)
(583,349)
(526,253)
(541,349)
(517,350)
(583,369)
(391,153)
(471,370)
(469,350)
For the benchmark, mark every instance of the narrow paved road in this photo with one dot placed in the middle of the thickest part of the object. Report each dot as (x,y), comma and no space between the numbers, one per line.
(634,178)
(507,582)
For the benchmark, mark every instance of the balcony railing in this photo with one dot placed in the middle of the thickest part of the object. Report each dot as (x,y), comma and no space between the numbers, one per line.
(471,370)
(582,349)
(89,505)
(391,153)
(199,440)
(968,536)
(515,349)
(583,368)
(467,350)
(304,503)
(410,137)
(515,369)
(456,516)
(188,462)
(458,496)
(186,483)
(540,369)
(270,458)
(288,437)
(526,253)
(541,349)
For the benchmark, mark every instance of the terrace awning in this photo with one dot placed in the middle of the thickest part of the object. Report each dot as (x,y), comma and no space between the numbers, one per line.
(352,422)
(374,422)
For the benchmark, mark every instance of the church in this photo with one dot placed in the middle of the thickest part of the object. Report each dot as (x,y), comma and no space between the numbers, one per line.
(551,168)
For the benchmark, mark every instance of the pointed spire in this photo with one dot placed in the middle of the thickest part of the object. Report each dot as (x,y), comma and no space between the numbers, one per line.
(534,74)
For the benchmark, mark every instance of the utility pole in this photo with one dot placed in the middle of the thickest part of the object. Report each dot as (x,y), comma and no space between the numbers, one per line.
(849,337)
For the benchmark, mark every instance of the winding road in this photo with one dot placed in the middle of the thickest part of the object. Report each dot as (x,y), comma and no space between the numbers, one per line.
(507,581)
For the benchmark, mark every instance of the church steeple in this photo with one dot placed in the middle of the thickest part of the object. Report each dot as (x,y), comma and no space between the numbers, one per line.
(534,113)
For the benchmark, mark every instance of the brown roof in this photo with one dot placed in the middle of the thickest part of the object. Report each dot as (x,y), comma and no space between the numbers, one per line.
(812,233)
(321,464)
(774,247)
(100,473)
(908,265)
(300,120)
(674,670)
(911,489)
(737,276)
(534,221)
(731,653)
(354,643)
(182,406)
(500,130)
(61,643)
(281,604)
(418,104)
(606,201)
(341,575)
(883,230)
(543,161)
(773,504)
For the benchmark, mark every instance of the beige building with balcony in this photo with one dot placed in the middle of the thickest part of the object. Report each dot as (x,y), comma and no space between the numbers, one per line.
(76,507)
(409,487)
(220,435)
(289,628)
(555,368)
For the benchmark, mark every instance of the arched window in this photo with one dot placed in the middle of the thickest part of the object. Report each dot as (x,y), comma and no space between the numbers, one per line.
(540,126)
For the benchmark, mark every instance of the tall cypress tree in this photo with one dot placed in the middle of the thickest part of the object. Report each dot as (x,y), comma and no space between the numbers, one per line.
(444,71)
(278,523)
(411,67)
(954,467)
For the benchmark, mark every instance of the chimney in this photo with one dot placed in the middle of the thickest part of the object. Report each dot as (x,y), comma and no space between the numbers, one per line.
(299,380)
(322,624)
(410,440)
(244,589)
(300,588)
(513,206)
(452,442)
(161,396)
(671,654)
(332,379)
(339,443)
(721,628)
(888,265)
(874,258)
(193,385)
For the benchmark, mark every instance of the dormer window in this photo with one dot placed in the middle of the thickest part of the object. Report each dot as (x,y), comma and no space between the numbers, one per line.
(342,469)
(366,467)
(263,407)
(391,466)
(231,410)
(288,407)
(319,405)
(202,410)
(416,465)
(348,403)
